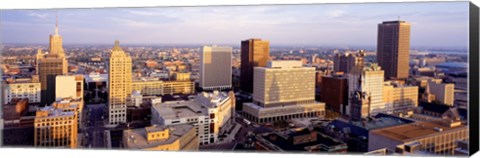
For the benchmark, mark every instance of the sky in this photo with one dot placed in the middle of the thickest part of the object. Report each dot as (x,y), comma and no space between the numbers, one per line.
(433,24)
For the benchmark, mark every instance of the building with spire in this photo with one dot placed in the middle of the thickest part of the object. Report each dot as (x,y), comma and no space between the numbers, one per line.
(49,65)
(120,84)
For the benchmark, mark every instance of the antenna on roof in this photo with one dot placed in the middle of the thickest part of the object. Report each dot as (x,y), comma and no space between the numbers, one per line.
(398,18)
(56,22)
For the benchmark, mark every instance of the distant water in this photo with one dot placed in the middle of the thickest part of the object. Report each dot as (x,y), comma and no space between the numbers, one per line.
(446,52)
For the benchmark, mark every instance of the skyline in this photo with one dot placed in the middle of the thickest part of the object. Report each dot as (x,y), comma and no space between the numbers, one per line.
(436,24)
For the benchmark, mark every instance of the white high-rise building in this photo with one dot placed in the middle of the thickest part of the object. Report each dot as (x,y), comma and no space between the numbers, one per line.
(283,90)
(283,83)
(69,86)
(216,68)
(365,91)
(120,85)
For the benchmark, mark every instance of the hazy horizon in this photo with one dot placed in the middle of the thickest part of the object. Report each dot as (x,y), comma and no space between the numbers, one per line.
(434,25)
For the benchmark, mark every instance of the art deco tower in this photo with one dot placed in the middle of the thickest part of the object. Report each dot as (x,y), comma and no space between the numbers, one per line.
(120,84)
(49,65)
(254,52)
(393,49)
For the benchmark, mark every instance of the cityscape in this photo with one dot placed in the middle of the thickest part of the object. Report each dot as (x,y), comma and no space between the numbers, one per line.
(395,97)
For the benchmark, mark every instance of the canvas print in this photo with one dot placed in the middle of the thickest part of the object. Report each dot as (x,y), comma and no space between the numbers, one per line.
(366,78)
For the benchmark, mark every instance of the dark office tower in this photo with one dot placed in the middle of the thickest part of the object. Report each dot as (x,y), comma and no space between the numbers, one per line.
(335,92)
(254,52)
(393,49)
(347,61)
(49,65)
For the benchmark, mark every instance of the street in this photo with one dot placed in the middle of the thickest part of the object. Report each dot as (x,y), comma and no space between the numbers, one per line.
(94,125)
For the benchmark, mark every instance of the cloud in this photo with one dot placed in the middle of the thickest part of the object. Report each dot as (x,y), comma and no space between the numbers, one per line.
(133,23)
(38,15)
(335,13)
(144,13)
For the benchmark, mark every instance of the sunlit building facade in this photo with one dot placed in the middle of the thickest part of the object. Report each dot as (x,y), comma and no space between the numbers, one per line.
(165,138)
(215,68)
(442,93)
(120,84)
(212,114)
(153,86)
(49,65)
(56,127)
(393,49)
(69,86)
(365,90)
(28,88)
(254,52)
(283,90)
(400,99)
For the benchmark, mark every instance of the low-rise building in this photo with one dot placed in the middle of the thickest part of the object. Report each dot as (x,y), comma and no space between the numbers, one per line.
(170,138)
(433,137)
(13,111)
(156,86)
(211,114)
(443,92)
(56,127)
(260,114)
(22,88)
(356,133)
(335,92)
(302,139)
(72,105)
(400,99)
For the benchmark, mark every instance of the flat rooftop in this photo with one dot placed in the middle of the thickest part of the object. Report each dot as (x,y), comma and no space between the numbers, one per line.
(21,81)
(284,64)
(414,130)
(188,108)
(137,138)
(145,79)
(359,128)
(96,78)
(55,112)
(282,141)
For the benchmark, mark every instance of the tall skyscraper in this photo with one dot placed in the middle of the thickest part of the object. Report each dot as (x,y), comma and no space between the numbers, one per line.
(393,48)
(49,65)
(216,68)
(347,61)
(365,90)
(254,52)
(120,84)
